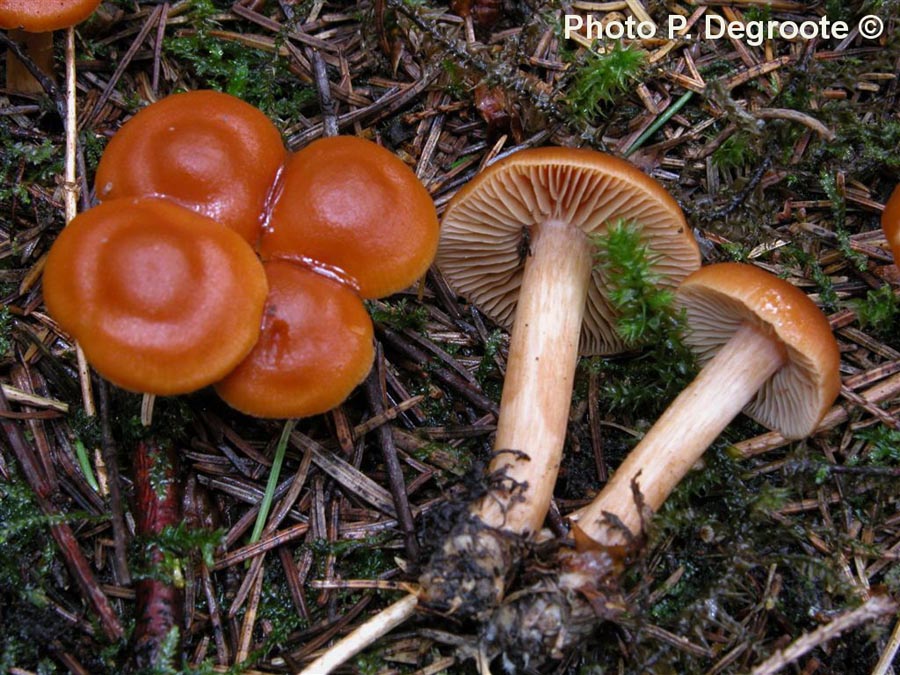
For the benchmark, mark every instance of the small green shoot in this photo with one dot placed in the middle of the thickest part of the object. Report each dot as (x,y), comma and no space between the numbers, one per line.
(667,114)
(274,474)
(85,463)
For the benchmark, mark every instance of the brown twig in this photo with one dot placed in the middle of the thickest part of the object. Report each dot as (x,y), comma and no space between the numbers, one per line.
(111,460)
(375,394)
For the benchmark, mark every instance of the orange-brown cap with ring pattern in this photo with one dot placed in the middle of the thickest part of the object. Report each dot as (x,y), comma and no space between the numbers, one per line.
(315,347)
(209,151)
(161,299)
(350,204)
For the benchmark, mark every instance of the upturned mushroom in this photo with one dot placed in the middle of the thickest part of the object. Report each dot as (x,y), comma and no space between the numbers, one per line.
(349,220)
(208,151)
(515,242)
(32,23)
(162,300)
(766,349)
(890,222)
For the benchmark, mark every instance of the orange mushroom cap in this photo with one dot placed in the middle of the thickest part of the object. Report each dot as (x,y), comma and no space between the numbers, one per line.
(890,223)
(161,299)
(350,204)
(718,299)
(41,16)
(315,347)
(209,151)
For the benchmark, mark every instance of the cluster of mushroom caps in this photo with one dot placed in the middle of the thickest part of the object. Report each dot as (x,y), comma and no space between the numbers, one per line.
(216,257)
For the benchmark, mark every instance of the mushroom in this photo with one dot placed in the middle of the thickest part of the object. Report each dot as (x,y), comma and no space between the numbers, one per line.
(348,203)
(162,300)
(890,223)
(349,220)
(208,151)
(32,22)
(314,349)
(767,349)
(515,242)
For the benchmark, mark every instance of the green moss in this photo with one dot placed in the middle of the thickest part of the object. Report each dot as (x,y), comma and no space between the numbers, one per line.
(879,311)
(261,78)
(178,544)
(6,326)
(793,254)
(487,368)
(400,314)
(884,448)
(839,212)
(23,163)
(30,568)
(601,78)
(737,151)
(454,460)
(648,317)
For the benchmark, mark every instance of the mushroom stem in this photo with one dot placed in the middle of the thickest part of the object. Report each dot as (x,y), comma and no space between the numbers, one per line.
(678,439)
(39,47)
(537,391)
(467,575)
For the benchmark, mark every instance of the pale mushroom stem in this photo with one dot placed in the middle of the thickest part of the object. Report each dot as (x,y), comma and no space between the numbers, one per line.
(39,47)
(534,411)
(537,390)
(678,439)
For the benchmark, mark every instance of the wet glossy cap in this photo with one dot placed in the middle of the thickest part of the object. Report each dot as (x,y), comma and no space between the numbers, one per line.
(483,234)
(206,150)
(719,298)
(315,347)
(44,16)
(890,223)
(161,299)
(352,205)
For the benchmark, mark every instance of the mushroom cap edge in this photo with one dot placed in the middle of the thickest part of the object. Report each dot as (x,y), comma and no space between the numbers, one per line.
(718,298)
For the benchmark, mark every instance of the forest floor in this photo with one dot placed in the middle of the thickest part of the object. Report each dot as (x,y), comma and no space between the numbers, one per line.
(781,153)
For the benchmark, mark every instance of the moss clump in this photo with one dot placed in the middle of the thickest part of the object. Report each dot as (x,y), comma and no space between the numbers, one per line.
(647,316)
(601,78)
